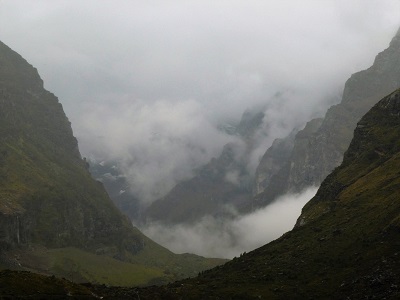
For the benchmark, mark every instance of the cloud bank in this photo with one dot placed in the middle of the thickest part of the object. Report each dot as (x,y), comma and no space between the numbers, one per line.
(147,83)
(156,144)
(216,237)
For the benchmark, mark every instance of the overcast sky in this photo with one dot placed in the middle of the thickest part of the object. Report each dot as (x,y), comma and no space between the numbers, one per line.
(148,81)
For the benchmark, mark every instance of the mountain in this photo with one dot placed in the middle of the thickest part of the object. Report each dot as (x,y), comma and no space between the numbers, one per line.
(270,163)
(54,218)
(345,244)
(319,148)
(291,164)
(220,184)
(117,186)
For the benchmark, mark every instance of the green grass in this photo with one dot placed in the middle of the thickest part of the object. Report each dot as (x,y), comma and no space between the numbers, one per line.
(349,246)
(48,196)
(80,266)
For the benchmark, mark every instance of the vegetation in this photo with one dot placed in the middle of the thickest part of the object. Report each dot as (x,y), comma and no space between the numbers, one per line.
(35,286)
(346,244)
(49,199)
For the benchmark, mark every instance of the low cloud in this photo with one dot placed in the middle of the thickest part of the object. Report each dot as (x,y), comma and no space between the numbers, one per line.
(146,83)
(156,144)
(214,237)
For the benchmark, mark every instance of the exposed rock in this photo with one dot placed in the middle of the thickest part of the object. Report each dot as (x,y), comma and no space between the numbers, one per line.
(49,199)
(315,156)
(346,242)
(271,162)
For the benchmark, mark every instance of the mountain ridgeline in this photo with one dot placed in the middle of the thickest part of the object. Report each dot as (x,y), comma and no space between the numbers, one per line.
(345,245)
(45,186)
(346,241)
(319,147)
(53,215)
(300,160)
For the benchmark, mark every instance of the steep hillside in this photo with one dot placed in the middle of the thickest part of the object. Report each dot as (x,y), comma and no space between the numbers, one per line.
(314,157)
(49,200)
(345,245)
(271,161)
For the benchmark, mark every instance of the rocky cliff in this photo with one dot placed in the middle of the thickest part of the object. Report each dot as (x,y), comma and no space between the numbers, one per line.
(345,244)
(47,195)
(313,157)
(346,241)
(49,201)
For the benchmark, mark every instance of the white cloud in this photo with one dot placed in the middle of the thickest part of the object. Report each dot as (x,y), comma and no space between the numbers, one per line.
(148,81)
(216,237)
(157,143)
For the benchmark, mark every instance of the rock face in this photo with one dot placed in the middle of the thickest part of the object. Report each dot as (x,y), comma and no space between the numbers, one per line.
(314,156)
(369,165)
(48,198)
(46,193)
(345,244)
(346,241)
(271,161)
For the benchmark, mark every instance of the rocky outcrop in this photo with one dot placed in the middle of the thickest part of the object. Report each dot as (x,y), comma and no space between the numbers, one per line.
(372,157)
(313,158)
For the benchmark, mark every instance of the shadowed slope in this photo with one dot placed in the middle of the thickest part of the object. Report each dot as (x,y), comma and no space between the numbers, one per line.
(346,242)
(49,199)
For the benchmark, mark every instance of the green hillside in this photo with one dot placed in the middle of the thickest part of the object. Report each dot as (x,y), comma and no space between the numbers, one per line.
(49,200)
(346,244)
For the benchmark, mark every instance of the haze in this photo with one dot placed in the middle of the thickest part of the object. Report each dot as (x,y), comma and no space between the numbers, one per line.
(227,238)
(148,83)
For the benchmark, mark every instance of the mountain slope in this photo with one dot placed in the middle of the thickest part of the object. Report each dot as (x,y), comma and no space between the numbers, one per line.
(346,243)
(323,150)
(224,181)
(47,196)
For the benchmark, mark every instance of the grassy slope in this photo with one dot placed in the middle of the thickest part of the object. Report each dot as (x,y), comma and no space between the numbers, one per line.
(348,244)
(45,184)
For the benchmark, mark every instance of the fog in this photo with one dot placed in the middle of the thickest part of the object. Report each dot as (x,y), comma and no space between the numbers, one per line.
(215,237)
(147,83)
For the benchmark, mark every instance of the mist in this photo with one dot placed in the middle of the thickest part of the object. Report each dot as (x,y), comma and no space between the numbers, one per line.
(149,84)
(227,238)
